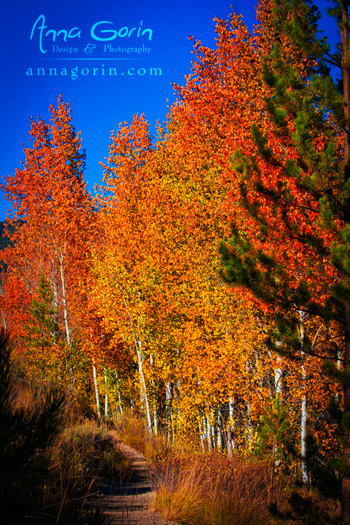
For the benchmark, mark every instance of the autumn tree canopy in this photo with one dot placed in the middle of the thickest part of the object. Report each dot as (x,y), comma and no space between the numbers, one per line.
(243,348)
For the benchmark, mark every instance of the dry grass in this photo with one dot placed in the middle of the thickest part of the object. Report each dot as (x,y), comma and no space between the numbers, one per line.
(131,431)
(212,489)
(81,454)
(84,453)
(203,489)
(91,449)
(23,398)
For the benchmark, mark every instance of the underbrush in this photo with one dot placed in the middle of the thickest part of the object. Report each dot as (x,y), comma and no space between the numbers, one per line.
(48,463)
(89,449)
(84,453)
(49,458)
(198,488)
(210,489)
(131,430)
(60,493)
(204,489)
(213,489)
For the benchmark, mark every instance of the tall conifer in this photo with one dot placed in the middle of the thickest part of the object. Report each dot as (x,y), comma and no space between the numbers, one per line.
(294,254)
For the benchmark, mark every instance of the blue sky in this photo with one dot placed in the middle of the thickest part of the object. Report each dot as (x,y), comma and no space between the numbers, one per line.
(82,57)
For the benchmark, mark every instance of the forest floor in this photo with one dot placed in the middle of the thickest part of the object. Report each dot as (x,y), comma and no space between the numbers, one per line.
(128,502)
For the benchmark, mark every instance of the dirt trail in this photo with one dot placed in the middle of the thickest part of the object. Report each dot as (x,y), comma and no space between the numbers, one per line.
(128,502)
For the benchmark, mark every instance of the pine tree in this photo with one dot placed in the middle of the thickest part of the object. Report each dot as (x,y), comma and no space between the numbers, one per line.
(42,332)
(294,252)
(26,437)
(274,433)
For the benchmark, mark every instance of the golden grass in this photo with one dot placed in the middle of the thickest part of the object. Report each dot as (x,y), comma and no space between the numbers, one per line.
(211,489)
(131,431)
(195,488)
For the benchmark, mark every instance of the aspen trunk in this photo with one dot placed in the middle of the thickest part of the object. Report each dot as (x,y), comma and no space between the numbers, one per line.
(155,417)
(66,323)
(303,437)
(304,411)
(98,408)
(208,432)
(64,303)
(201,436)
(249,425)
(219,430)
(212,430)
(204,432)
(278,379)
(106,395)
(229,431)
(278,395)
(118,392)
(138,350)
(144,387)
(55,290)
(173,422)
(169,389)
(154,401)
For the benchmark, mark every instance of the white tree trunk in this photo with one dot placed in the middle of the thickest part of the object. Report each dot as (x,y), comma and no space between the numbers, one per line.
(212,429)
(66,323)
(138,349)
(155,411)
(278,395)
(155,418)
(278,379)
(204,433)
(229,432)
(98,408)
(64,303)
(144,387)
(201,436)
(219,430)
(106,395)
(249,429)
(249,425)
(55,289)
(208,432)
(304,410)
(168,403)
(118,392)
(303,437)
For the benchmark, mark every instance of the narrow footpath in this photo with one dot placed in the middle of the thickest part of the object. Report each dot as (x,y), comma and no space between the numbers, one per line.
(128,502)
